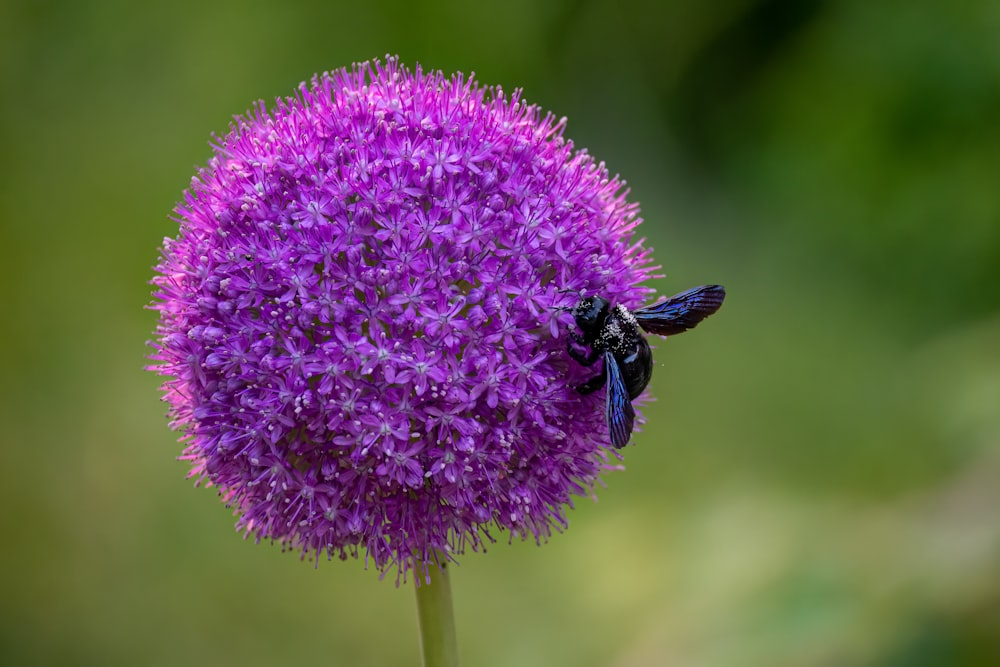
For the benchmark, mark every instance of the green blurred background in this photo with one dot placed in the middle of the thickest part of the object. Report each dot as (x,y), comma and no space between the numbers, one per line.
(819,481)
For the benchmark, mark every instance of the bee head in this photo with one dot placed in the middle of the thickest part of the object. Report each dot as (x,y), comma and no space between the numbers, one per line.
(590,313)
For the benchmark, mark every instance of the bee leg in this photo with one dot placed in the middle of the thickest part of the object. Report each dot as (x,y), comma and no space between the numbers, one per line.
(584,358)
(593,384)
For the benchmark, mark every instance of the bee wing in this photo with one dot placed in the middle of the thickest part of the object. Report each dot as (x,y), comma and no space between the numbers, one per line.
(682,311)
(618,406)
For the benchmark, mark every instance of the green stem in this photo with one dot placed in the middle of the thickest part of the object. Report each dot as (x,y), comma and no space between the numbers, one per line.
(436,619)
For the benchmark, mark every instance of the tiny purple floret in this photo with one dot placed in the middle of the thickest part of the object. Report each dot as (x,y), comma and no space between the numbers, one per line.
(360,324)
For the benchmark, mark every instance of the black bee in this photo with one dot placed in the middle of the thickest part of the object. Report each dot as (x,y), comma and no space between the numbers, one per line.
(613,333)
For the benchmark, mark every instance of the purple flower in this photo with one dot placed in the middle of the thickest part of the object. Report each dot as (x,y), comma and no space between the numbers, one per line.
(359,319)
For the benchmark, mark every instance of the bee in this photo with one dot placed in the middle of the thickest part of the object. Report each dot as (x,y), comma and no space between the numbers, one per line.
(614,334)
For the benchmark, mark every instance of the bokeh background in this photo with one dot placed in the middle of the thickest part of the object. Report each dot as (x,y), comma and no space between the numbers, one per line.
(819,480)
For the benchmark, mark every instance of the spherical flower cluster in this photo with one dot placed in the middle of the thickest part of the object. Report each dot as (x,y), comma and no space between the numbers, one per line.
(360,322)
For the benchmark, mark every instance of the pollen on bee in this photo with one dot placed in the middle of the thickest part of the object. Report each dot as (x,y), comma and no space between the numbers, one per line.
(626,314)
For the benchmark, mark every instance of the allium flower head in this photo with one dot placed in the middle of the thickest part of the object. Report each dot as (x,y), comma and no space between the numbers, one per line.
(359,317)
